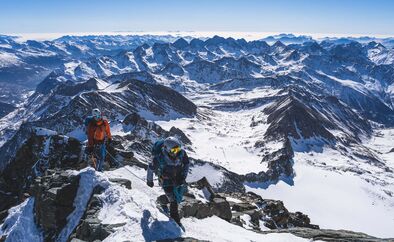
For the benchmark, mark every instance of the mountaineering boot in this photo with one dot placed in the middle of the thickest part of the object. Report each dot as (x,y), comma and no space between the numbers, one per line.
(174,214)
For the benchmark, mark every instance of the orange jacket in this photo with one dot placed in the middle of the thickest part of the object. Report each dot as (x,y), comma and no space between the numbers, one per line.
(97,131)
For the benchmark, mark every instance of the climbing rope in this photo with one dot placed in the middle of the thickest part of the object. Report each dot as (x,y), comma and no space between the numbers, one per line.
(120,163)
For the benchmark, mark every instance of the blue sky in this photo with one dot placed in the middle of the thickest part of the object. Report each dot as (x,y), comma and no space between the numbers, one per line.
(367,17)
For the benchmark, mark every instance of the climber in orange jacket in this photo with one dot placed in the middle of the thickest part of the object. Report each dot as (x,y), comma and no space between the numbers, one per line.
(99,136)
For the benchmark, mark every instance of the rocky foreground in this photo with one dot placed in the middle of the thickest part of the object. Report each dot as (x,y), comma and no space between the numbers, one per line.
(67,199)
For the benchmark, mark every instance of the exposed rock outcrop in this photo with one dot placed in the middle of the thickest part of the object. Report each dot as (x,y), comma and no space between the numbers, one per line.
(192,206)
(6,108)
(271,213)
(54,201)
(36,155)
(90,227)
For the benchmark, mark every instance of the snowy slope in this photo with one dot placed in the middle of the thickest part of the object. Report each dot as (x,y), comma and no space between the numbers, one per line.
(332,187)
(136,208)
(335,199)
(144,222)
(225,137)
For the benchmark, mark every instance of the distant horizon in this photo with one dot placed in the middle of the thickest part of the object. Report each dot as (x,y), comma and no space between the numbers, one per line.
(323,17)
(195,34)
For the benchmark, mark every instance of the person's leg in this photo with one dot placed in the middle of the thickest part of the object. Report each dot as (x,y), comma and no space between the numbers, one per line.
(101,157)
(94,157)
(174,213)
(169,190)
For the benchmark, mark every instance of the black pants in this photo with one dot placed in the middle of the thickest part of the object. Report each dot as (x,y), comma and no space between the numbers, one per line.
(169,190)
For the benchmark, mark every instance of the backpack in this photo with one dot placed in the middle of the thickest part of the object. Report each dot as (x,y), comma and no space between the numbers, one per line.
(87,120)
(86,123)
(156,149)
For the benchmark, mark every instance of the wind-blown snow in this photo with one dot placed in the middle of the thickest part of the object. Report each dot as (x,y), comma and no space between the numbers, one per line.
(87,182)
(347,83)
(19,225)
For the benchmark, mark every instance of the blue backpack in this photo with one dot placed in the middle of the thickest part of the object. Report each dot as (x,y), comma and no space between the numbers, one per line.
(158,161)
(156,149)
(86,123)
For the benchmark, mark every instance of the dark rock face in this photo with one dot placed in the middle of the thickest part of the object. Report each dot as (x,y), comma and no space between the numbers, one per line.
(71,89)
(272,213)
(290,117)
(55,196)
(160,94)
(32,160)
(192,207)
(178,133)
(5,109)
(123,182)
(280,166)
(280,217)
(7,200)
(47,84)
(51,151)
(232,182)
(134,122)
(90,227)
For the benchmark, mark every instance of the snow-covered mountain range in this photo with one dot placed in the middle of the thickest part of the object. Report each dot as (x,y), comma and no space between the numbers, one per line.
(309,123)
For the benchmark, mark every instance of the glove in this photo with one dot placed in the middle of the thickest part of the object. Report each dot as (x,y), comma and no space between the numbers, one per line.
(89,150)
(149,183)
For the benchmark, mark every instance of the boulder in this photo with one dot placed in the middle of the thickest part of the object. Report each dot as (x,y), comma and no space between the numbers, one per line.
(221,208)
(90,227)
(255,217)
(240,207)
(124,182)
(54,194)
(192,207)
(280,217)
(179,133)
(272,213)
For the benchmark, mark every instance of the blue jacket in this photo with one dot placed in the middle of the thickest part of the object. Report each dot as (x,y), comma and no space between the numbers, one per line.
(171,171)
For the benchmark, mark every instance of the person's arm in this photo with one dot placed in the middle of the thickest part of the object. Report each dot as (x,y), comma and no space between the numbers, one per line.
(150,171)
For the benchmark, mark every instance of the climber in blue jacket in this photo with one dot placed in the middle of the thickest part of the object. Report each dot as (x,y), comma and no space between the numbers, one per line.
(171,165)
